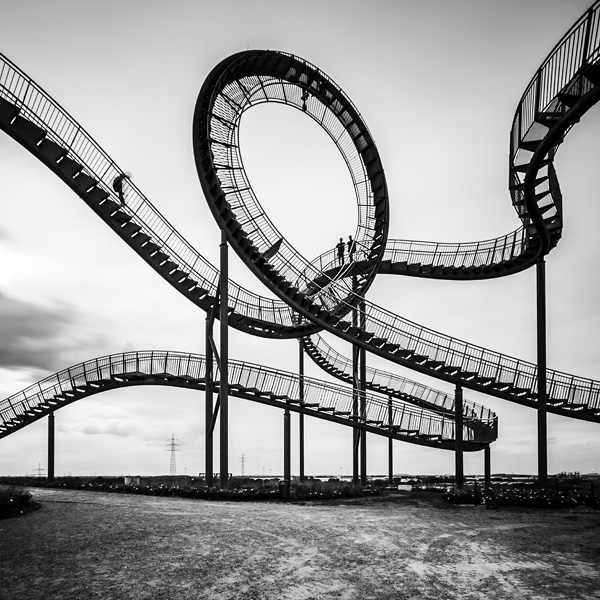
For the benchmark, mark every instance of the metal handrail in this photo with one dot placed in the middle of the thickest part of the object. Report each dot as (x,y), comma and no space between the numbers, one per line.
(192,367)
(377,379)
(579,46)
(485,253)
(560,73)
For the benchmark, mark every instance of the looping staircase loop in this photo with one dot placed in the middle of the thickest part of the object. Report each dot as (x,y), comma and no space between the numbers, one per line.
(255,77)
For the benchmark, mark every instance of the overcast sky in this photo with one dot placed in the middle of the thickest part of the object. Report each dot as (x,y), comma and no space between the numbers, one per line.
(437,83)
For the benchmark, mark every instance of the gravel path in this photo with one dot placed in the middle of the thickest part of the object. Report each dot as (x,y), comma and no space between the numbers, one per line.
(83,545)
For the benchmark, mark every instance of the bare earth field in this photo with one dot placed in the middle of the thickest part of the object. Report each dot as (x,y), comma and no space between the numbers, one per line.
(83,545)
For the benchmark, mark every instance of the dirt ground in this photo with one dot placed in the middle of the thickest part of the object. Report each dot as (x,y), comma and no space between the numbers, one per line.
(83,545)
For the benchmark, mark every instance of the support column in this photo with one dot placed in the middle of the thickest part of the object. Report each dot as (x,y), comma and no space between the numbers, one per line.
(208,409)
(458,433)
(224,365)
(285,488)
(301,415)
(487,467)
(390,443)
(356,433)
(363,400)
(355,414)
(51,448)
(542,426)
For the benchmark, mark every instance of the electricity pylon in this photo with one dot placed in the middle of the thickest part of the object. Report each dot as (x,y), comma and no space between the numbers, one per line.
(172,446)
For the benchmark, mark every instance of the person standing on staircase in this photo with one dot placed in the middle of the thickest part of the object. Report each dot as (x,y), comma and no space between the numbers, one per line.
(351,248)
(305,96)
(119,185)
(340,247)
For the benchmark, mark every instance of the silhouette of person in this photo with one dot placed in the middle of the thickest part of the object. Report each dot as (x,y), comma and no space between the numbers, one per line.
(304,99)
(119,186)
(340,246)
(351,248)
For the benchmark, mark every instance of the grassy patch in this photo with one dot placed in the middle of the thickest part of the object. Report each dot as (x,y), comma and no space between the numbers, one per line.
(14,502)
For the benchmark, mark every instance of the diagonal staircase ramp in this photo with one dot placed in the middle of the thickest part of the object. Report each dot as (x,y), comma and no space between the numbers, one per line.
(35,121)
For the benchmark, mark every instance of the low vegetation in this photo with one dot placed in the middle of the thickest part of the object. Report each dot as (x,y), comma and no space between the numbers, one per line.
(557,496)
(239,489)
(14,501)
(561,493)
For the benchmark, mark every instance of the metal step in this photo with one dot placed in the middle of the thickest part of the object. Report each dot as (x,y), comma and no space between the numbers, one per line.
(8,111)
(29,131)
(568,99)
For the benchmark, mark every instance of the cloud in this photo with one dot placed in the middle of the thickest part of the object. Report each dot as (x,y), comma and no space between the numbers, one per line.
(5,235)
(35,336)
(119,428)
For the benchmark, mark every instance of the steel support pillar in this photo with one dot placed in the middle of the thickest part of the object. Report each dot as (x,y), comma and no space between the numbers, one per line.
(301,415)
(487,467)
(287,471)
(355,413)
(542,426)
(51,446)
(390,443)
(356,433)
(363,400)
(223,365)
(458,429)
(208,409)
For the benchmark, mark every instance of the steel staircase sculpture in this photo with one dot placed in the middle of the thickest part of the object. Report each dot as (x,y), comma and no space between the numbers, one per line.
(252,382)
(316,295)
(62,145)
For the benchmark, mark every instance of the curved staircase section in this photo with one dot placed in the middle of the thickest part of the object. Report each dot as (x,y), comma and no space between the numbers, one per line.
(257,383)
(389,384)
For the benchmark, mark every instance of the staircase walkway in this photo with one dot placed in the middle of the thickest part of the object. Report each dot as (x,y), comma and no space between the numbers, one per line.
(257,383)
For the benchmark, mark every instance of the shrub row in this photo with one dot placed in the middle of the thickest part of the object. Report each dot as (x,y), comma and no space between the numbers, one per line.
(531,498)
(242,490)
(13,501)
